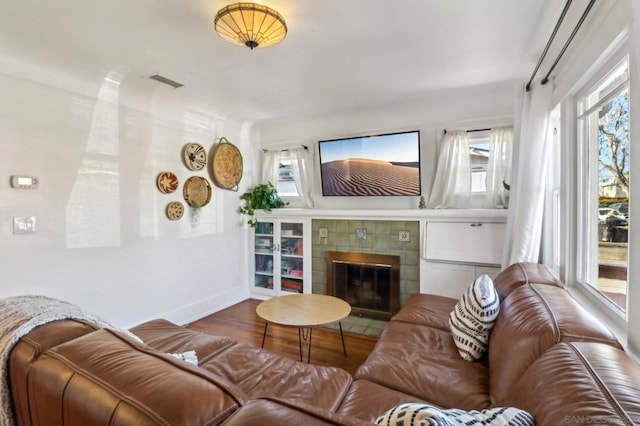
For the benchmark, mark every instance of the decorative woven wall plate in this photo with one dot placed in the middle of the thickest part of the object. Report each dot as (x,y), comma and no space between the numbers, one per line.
(167,182)
(175,210)
(197,191)
(195,157)
(226,165)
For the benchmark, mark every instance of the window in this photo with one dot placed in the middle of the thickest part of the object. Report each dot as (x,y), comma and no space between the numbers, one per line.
(289,171)
(603,192)
(286,184)
(473,167)
(479,158)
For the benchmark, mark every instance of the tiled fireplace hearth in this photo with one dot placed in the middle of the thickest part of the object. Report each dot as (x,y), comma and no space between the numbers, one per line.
(396,239)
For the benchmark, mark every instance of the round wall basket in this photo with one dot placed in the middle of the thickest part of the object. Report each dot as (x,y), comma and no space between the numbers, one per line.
(175,210)
(195,157)
(226,165)
(167,182)
(197,191)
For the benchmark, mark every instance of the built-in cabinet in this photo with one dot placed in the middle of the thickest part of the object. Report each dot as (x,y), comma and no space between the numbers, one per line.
(450,279)
(280,257)
(456,246)
(455,253)
(465,242)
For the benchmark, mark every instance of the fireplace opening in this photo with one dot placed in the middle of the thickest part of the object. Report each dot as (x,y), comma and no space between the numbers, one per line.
(368,282)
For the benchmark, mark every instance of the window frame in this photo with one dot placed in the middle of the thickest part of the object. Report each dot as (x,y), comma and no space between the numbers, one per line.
(585,215)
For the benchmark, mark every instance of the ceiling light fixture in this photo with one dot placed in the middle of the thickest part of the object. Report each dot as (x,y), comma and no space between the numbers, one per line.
(249,24)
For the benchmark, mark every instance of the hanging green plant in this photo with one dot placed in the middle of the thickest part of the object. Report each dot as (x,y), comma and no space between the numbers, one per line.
(260,197)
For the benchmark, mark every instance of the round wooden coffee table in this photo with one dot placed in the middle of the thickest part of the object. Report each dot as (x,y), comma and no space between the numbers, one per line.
(304,311)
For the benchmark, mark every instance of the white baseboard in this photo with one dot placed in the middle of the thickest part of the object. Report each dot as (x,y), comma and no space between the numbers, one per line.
(189,313)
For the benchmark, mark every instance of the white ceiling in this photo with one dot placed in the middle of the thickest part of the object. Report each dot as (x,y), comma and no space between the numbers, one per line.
(338,54)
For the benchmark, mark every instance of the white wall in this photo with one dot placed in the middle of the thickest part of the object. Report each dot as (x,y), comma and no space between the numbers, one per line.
(463,108)
(103,240)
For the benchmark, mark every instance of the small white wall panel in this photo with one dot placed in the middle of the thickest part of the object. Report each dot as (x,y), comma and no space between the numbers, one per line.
(445,279)
(465,242)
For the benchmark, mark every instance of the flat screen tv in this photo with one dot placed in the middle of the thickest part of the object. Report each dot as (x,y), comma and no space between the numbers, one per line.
(375,165)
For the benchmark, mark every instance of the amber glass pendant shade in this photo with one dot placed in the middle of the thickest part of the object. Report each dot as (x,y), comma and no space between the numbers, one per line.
(249,24)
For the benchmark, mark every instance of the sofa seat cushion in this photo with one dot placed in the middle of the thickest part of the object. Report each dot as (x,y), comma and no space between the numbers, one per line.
(275,412)
(532,319)
(260,373)
(423,362)
(367,400)
(427,309)
(168,337)
(108,378)
(582,382)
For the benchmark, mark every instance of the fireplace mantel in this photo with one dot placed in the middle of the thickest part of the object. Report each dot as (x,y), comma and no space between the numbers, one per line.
(439,215)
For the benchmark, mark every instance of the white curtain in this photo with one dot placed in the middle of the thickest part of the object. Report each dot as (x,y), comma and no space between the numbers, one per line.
(271,167)
(302,175)
(524,223)
(452,185)
(499,167)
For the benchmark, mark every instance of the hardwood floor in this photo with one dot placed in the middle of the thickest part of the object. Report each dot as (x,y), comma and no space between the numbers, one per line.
(241,323)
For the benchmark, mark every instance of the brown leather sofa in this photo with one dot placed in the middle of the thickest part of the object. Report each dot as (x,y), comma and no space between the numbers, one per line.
(547,355)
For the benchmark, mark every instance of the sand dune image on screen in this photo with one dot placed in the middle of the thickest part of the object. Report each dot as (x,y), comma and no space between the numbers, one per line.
(361,176)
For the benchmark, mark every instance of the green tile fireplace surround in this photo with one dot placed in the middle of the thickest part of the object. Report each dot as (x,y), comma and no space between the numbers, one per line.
(382,237)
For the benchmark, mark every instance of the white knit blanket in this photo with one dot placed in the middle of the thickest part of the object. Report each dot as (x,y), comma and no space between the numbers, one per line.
(21,314)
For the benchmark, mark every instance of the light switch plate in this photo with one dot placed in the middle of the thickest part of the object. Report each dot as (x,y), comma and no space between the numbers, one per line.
(24,224)
(404,236)
(323,232)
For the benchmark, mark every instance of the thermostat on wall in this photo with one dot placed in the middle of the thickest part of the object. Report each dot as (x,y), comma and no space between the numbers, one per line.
(24,182)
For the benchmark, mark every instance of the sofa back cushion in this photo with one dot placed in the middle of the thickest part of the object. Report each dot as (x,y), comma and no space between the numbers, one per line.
(532,319)
(28,349)
(580,383)
(519,274)
(107,378)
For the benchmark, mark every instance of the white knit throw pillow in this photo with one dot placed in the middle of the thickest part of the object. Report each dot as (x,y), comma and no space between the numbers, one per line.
(473,317)
(416,414)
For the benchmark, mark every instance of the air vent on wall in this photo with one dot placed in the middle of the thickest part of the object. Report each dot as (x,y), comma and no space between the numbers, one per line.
(165,80)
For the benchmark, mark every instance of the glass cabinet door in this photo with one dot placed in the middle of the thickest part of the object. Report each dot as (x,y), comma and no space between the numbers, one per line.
(291,257)
(264,260)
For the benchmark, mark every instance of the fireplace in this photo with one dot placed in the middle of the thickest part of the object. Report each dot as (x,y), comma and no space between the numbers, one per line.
(370,283)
